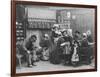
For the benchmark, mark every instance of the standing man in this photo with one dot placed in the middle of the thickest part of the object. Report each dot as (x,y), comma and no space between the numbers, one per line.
(77,36)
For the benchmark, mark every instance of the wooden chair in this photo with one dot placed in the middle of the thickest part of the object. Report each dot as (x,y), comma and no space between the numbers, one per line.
(18,53)
(19,56)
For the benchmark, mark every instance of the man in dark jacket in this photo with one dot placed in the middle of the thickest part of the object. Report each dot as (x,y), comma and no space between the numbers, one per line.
(30,48)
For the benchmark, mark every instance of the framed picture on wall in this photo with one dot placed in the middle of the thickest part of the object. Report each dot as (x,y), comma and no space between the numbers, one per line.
(52,38)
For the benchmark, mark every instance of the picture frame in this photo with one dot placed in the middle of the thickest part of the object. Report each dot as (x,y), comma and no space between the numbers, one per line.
(61,5)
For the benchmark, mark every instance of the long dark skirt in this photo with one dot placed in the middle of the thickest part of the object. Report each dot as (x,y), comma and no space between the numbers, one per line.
(56,56)
(85,54)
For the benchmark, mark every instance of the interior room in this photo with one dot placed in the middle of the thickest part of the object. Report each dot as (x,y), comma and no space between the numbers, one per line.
(38,20)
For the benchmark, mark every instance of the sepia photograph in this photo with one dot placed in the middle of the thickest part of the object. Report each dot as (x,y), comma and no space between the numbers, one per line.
(54,38)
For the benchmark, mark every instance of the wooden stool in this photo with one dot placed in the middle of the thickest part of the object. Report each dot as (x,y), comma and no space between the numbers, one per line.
(19,59)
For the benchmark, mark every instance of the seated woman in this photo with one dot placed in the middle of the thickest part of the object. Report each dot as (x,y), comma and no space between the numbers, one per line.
(45,44)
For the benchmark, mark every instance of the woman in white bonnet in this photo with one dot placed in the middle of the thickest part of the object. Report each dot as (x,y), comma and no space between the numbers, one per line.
(84,42)
(88,32)
(45,44)
(69,31)
(89,36)
(85,50)
(55,33)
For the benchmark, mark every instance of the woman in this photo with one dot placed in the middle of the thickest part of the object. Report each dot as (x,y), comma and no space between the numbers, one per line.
(85,50)
(45,44)
(67,47)
(55,33)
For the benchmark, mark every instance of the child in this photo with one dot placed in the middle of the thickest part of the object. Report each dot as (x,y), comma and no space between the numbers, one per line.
(75,55)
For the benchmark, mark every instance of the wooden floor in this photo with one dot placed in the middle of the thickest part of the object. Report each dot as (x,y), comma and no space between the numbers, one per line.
(43,66)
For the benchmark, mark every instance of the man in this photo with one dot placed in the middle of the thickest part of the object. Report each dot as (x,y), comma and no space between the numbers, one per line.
(30,48)
(77,36)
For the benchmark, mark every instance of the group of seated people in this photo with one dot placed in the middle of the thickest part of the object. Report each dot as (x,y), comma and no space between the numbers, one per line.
(61,47)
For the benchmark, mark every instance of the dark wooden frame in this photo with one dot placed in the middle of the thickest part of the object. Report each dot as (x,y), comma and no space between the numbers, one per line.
(13,37)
